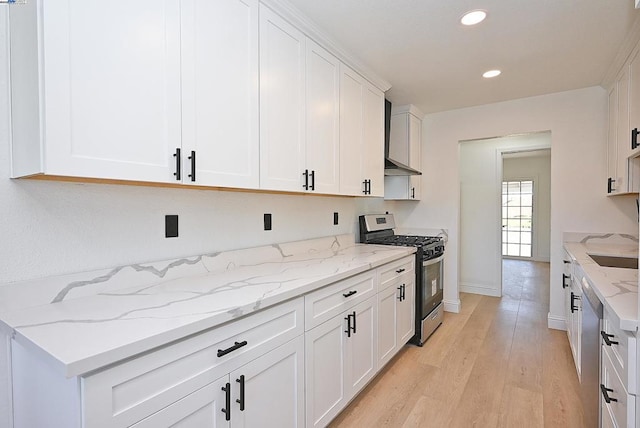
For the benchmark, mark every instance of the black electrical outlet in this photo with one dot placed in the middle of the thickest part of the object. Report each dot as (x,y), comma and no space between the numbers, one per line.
(335,218)
(171,226)
(267,222)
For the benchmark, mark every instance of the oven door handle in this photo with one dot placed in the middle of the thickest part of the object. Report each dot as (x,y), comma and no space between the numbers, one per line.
(433,261)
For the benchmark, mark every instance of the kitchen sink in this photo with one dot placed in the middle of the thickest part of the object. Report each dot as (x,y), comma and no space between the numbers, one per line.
(613,261)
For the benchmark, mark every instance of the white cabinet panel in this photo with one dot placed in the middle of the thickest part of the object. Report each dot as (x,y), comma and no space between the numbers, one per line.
(282,103)
(362,347)
(387,325)
(323,118)
(406,312)
(373,143)
(201,409)
(351,135)
(405,147)
(612,146)
(106,97)
(273,389)
(220,92)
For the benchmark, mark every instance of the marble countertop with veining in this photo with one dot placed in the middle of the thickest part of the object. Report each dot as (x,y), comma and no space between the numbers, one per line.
(617,288)
(95,319)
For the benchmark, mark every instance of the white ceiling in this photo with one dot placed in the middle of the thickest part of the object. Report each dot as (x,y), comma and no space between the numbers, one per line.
(435,63)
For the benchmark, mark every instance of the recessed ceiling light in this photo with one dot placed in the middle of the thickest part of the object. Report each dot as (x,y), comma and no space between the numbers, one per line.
(473,17)
(491,73)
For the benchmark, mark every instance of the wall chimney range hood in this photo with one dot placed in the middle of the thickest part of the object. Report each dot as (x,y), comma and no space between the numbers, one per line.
(393,167)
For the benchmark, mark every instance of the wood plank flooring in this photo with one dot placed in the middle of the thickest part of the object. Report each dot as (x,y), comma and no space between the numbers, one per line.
(495,364)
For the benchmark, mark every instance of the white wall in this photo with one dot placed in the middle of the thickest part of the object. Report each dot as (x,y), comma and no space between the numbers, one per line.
(49,228)
(537,167)
(480,209)
(577,121)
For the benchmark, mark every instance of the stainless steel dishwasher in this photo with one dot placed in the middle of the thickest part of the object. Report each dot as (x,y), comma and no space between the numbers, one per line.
(590,358)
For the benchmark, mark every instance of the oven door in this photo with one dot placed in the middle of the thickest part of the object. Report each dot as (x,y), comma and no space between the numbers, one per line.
(432,283)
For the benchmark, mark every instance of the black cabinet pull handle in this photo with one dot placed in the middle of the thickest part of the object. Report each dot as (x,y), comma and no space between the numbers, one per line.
(610,187)
(566,262)
(605,394)
(564,280)
(574,308)
(350,293)
(404,289)
(368,187)
(178,164)
(634,138)
(236,346)
(313,180)
(400,270)
(606,339)
(227,401)
(413,193)
(193,165)
(241,399)
(348,330)
(400,293)
(305,186)
(354,322)
(365,187)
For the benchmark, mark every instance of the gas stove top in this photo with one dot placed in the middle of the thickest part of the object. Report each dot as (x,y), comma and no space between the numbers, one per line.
(378,229)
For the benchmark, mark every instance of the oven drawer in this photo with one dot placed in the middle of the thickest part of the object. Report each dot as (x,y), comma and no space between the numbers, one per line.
(327,302)
(392,273)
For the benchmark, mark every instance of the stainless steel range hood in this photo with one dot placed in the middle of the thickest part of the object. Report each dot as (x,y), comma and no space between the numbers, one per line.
(393,167)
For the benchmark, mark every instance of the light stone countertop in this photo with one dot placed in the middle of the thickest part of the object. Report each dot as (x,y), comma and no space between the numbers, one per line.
(83,322)
(617,288)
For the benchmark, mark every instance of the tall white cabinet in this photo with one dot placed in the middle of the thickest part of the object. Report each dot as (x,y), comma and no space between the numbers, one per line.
(361,136)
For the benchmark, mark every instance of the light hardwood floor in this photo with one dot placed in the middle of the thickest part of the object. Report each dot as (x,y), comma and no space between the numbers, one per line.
(495,364)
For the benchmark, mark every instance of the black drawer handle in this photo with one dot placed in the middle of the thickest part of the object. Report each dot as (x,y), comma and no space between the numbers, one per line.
(350,293)
(354,322)
(564,280)
(227,402)
(192,158)
(400,270)
(348,330)
(606,339)
(566,262)
(400,293)
(605,394)
(241,399)
(238,345)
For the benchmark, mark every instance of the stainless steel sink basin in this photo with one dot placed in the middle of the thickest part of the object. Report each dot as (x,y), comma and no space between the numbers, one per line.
(618,262)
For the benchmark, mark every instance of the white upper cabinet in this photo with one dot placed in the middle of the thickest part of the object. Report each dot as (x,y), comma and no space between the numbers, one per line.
(361,136)
(282,102)
(323,118)
(95,99)
(220,92)
(405,147)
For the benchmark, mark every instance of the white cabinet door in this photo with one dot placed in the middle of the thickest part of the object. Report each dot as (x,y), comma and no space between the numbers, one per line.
(415,143)
(322,118)
(373,139)
(220,92)
(269,391)
(361,347)
(325,366)
(111,95)
(351,132)
(624,132)
(387,324)
(406,313)
(612,144)
(282,103)
(634,99)
(200,409)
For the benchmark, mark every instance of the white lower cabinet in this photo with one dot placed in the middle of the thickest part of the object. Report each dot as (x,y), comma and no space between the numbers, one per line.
(340,361)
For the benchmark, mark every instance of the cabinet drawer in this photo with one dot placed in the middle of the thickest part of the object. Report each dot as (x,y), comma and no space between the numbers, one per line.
(390,273)
(327,302)
(622,354)
(129,392)
(623,410)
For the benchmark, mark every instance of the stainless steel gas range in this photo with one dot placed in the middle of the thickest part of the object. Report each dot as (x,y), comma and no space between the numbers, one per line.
(378,229)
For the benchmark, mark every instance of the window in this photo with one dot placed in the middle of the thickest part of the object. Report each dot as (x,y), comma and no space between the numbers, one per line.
(517,212)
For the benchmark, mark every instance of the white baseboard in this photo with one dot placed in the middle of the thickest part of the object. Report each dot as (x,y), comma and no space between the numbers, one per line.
(480,289)
(556,323)
(452,306)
